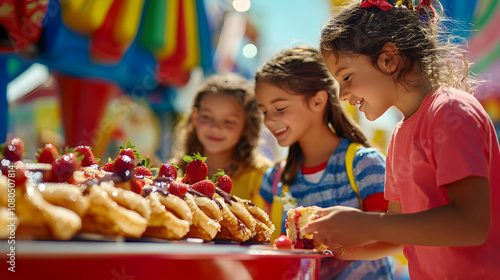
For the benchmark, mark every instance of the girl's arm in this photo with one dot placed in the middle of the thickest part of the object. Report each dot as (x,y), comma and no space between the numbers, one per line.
(375,250)
(464,221)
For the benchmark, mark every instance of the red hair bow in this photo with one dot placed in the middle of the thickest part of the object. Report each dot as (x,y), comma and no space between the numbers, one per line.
(425,3)
(382,4)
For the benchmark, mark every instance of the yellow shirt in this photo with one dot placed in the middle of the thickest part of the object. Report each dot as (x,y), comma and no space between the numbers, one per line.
(247,184)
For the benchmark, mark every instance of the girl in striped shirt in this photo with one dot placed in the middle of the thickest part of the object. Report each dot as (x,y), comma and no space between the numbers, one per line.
(297,97)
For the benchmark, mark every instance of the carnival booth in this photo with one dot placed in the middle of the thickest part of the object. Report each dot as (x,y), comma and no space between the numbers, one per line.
(95,51)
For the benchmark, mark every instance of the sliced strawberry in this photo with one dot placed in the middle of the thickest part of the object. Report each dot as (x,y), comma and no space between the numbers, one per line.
(124,166)
(142,171)
(137,185)
(205,187)
(196,169)
(63,168)
(13,150)
(88,156)
(47,154)
(223,181)
(168,170)
(178,188)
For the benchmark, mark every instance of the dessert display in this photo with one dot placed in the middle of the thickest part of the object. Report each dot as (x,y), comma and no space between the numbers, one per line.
(66,194)
(297,218)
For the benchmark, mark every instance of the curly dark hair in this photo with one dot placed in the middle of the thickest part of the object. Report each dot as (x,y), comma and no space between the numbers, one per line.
(416,35)
(186,142)
(301,70)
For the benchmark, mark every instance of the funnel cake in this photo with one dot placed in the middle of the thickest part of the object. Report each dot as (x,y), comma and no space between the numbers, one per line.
(206,215)
(231,227)
(65,195)
(170,217)
(264,227)
(240,225)
(39,219)
(114,211)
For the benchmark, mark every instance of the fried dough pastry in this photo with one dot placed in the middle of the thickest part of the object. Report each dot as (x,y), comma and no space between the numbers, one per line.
(170,217)
(231,227)
(115,211)
(39,219)
(65,195)
(238,210)
(206,216)
(264,227)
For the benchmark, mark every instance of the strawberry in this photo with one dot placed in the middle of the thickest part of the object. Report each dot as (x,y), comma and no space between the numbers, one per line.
(196,169)
(108,166)
(137,185)
(88,156)
(205,187)
(168,170)
(178,188)
(47,154)
(13,150)
(130,151)
(144,168)
(142,171)
(19,173)
(124,166)
(63,168)
(283,242)
(223,181)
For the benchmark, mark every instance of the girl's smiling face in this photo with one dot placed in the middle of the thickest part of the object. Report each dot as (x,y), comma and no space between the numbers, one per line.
(286,115)
(362,83)
(219,122)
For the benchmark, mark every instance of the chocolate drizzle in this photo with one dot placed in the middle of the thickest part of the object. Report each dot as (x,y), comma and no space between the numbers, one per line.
(250,203)
(243,227)
(227,197)
(147,191)
(162,182)
(193,192)
(197,193)
(95,182)
(86,191)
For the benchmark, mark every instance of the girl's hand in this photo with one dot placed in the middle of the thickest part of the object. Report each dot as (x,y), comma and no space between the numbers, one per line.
(338,226)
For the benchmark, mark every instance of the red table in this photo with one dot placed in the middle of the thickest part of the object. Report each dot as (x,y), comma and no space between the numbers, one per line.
(90,260)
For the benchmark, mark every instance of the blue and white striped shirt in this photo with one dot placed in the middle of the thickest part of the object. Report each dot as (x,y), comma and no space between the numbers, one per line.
(333,189)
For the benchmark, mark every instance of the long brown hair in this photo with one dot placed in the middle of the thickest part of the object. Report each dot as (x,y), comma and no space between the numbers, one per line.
(235,86)
(419,37)
(301,70)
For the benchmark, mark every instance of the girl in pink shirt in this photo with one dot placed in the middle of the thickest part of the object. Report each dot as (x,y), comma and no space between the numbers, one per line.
(443,161)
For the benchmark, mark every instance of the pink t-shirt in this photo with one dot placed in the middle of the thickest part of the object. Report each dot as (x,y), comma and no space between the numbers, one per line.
(450,137)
